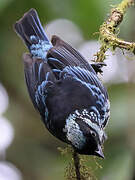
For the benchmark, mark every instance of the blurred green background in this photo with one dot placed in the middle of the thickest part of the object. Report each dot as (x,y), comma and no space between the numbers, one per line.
(33,150)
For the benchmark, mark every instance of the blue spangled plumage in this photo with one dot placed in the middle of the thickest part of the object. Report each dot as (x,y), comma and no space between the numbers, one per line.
(84,77)
(40,48)
(31,31)
(64,88)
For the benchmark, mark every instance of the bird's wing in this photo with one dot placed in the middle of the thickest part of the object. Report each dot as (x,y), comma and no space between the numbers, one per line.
(66,62)
(67,55)
(39,78)
(96,89)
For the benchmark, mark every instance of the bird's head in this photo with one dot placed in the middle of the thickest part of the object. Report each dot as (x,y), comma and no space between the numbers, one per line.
(85,132)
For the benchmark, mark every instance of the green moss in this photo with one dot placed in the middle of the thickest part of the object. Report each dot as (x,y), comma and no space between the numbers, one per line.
(85,170)
(108,32)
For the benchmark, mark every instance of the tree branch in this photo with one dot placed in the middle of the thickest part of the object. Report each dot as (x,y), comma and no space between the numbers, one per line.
(77,165)
(108,34)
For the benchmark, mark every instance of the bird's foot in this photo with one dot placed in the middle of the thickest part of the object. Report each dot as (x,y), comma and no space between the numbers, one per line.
(98,67)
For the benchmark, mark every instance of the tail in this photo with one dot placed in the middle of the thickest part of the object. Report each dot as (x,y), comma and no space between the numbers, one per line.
(31,31)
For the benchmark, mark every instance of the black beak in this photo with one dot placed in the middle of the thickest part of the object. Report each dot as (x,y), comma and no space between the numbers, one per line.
(99,152)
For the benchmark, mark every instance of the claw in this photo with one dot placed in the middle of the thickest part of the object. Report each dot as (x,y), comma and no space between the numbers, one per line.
(98,67)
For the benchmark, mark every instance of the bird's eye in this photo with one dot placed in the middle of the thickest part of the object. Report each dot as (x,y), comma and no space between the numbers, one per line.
(93,133)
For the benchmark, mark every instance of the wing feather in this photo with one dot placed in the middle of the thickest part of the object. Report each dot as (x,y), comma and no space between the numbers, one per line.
(72,63)
(37,72)
(67,54)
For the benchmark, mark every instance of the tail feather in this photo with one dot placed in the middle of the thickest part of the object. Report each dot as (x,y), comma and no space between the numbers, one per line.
(31,31)
(39,27)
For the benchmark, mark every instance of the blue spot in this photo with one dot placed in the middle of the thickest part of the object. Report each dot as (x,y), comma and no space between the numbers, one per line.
(40,48)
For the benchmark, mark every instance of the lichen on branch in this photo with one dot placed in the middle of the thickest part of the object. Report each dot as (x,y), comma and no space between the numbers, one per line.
(108,34)
(77,169)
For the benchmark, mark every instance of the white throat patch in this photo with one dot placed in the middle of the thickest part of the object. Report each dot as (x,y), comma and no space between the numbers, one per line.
(74,134)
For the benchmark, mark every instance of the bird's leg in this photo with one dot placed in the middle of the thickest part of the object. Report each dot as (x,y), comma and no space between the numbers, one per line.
(98,67)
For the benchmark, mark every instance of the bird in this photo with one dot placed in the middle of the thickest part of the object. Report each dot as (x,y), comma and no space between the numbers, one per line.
(64,88)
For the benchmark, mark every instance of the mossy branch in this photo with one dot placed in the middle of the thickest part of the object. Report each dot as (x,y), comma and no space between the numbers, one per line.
(77,165)
(78,169)
(108,34)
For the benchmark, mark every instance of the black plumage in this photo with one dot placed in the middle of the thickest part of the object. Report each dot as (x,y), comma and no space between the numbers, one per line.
(64,88)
